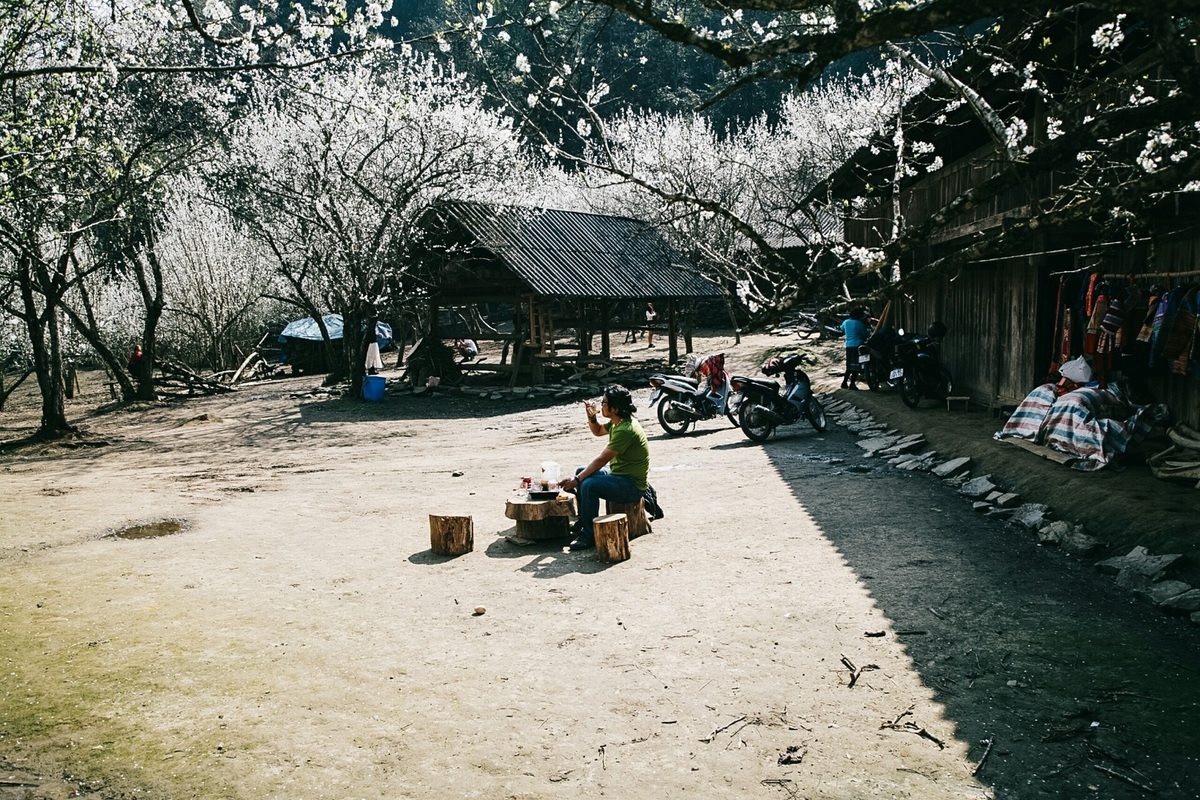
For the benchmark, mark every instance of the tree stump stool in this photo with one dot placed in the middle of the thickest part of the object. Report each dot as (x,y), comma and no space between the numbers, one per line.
(612,538)
(538,520)
(451,536)
(635,513)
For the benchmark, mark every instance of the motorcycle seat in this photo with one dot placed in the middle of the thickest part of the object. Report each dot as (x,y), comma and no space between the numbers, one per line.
(678,379)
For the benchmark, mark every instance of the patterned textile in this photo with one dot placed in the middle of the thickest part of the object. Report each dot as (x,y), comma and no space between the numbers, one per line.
(713,368)
(1026,421)
(1181,329)
(1090,424)
(1147,329)
(1165,305)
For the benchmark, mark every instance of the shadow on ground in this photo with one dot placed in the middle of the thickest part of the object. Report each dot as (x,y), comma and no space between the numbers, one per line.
(1081,690)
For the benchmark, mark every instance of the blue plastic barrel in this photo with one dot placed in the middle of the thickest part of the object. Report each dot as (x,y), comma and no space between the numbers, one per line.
(373,388)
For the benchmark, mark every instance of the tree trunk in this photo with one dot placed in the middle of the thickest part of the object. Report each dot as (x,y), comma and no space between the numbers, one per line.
(635,515)
(612,538)
(356,344)
(737,333)
(451,536)
(5,391)
(150,282)
(88,327)
(42,326)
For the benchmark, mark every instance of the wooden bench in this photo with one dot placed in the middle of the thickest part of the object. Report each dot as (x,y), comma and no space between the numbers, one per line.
(964,399)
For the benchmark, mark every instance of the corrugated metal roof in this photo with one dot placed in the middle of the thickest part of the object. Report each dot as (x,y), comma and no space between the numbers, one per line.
(572,254)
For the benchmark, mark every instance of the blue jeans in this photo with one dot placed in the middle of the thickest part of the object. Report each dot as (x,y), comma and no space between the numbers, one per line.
(602,485)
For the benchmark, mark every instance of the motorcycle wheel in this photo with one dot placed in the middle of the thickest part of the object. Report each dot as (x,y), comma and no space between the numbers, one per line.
(672,428)
(910,390)
(755,425)
(872,379)
(815,414)
(733,417)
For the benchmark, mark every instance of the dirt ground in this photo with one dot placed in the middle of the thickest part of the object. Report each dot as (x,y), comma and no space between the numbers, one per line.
(296,638)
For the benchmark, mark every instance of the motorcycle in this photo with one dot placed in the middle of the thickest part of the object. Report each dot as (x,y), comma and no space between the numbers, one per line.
(764,407)
(680,407)
(924,375)
(877,361)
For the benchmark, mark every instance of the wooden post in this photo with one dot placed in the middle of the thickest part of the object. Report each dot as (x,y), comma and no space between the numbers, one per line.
(635,513)
(451,536)
(672,332)
(612,538)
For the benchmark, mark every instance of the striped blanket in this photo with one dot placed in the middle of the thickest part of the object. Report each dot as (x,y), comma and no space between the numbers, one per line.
(1090,424)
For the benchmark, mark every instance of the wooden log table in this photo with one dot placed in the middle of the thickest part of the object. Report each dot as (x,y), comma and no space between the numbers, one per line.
(538,520)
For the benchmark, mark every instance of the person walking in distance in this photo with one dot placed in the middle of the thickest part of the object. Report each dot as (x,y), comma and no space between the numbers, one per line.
(651,316)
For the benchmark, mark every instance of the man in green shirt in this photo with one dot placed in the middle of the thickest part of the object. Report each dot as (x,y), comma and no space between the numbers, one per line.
(621,470)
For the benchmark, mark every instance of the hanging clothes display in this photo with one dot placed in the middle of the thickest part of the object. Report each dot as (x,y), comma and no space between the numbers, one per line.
(1180,338)
(1179,326)
(1102,340)
(1127,327)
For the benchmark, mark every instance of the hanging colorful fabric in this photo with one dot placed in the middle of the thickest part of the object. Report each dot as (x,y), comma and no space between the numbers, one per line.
(1090,297)
(1156,337)
(1177,338)
(1135,308)
(1147,329)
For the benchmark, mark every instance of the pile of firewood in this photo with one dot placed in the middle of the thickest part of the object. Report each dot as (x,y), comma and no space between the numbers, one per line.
(177,380)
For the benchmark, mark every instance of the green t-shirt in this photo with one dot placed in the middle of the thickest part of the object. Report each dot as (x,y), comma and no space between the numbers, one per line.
(633,452)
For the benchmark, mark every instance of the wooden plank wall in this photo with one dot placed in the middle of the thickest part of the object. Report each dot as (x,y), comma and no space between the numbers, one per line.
(991,314)
(1000,319)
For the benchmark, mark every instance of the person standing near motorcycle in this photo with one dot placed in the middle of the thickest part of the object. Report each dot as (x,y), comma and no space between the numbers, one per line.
(622,470)
(651,318)
(709,372)
(856,332)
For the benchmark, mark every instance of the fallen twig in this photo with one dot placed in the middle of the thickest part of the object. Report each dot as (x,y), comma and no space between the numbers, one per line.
(713,735)
(1130,781)
(691,632)
(782,783)
(933,611)
(987,751)
(924,734)
(856,672)
(912,727)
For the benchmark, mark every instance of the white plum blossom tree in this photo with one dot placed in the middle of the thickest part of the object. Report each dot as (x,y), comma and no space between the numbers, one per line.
(341,169)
